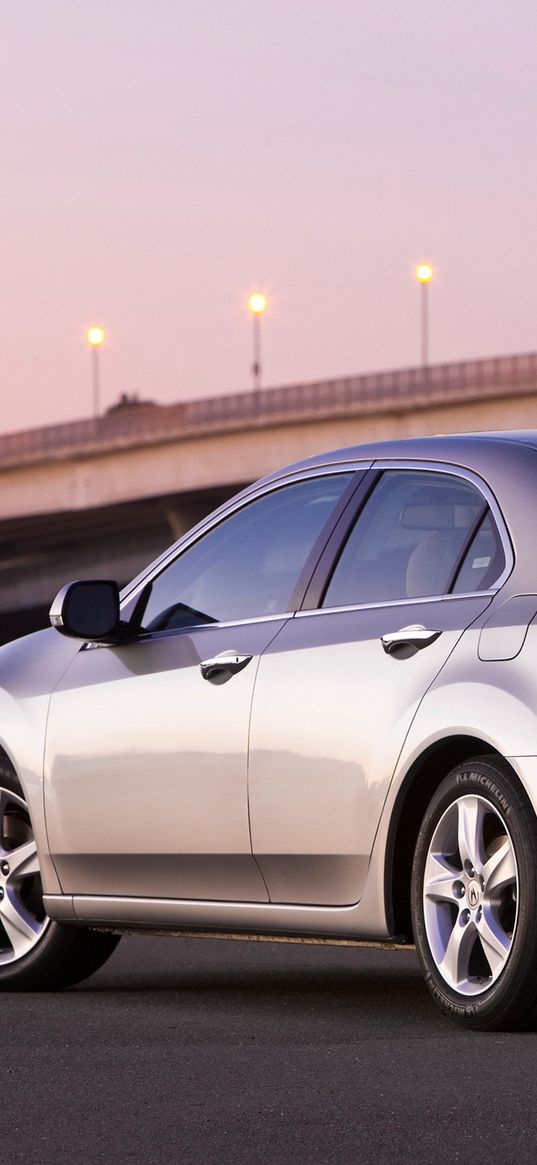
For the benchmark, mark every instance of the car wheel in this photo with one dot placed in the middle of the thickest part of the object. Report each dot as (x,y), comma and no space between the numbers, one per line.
(35,952)
(474,898)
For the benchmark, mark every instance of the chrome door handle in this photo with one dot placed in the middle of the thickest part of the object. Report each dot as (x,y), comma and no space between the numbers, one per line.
(415,636)
(223,666)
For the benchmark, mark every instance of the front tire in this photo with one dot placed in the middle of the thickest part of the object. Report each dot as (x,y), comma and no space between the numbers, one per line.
(36,954)
(474,898)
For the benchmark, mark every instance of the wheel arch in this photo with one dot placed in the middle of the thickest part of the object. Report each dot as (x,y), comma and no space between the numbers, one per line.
(420,783)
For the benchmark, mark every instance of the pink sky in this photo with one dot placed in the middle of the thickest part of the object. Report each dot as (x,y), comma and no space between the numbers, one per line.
(161,158)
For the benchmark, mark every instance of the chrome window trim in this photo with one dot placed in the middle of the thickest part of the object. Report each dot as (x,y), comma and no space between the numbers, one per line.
(144,636)
(396,603)
(191,536)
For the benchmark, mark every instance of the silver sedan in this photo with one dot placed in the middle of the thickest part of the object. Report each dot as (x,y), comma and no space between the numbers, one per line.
(313,718)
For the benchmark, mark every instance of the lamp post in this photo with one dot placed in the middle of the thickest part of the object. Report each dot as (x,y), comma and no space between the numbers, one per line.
(424,272)
(95,337)
(257,304)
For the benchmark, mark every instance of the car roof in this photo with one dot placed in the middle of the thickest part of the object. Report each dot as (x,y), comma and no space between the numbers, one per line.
(457,448)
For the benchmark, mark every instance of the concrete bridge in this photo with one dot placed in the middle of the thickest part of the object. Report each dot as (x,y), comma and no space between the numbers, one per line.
(102,497)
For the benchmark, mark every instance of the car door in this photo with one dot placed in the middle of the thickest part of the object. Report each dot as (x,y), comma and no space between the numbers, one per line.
(146,749)
(337,690)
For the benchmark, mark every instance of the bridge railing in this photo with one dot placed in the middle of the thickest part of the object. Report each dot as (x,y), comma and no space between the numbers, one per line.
(380,391)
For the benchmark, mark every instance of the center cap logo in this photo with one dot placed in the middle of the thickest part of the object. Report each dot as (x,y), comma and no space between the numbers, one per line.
(474,893)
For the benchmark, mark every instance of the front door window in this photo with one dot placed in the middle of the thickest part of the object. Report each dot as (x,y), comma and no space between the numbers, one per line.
(248,565)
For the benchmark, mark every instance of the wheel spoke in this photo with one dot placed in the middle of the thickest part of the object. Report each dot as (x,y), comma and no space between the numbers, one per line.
(495,942)
(23,860)
(439,878)
(470,831)
(454,965)
(500,869)
(21,929)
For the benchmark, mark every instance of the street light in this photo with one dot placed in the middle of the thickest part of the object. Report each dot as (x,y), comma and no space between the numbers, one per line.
(257,304)
(95,337)
(424,273)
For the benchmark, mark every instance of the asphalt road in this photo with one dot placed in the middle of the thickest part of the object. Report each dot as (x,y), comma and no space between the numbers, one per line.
(188,1051)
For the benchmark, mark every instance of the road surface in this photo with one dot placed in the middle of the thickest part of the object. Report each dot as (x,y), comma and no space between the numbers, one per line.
(188,1050)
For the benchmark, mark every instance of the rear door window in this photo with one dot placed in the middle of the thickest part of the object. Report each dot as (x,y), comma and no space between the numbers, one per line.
(484,561)
(408,541)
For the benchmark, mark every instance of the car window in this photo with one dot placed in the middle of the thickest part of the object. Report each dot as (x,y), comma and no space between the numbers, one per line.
(249,564)
(408,539)
(484,561)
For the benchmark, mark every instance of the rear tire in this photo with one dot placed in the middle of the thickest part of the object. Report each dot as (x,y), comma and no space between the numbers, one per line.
(474,898)
(36,953)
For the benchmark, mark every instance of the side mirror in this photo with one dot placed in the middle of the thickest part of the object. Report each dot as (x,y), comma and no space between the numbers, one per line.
(88,610)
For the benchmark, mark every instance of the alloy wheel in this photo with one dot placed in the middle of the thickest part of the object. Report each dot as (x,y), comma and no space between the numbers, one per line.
(470,895)
(23,921)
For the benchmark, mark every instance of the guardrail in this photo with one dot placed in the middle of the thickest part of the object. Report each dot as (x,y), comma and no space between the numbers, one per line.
(398,390)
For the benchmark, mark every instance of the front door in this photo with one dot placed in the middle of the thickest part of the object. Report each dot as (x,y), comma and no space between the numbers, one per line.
(147,743)
(146,768)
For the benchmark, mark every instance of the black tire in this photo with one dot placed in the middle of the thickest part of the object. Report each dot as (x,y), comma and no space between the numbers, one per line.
(59,956)
(478,948)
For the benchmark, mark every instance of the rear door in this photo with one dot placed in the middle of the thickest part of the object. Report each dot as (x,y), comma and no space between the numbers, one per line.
(337,690)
